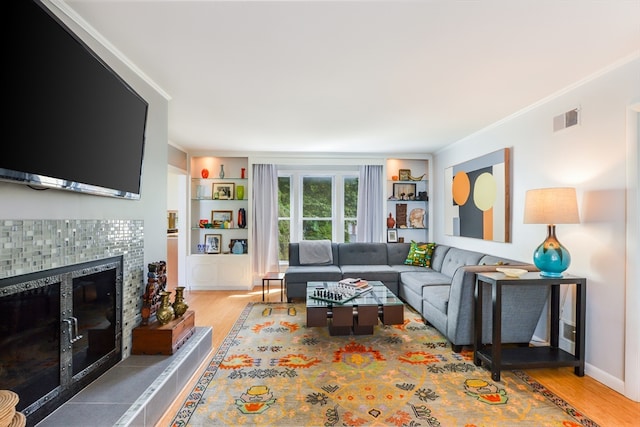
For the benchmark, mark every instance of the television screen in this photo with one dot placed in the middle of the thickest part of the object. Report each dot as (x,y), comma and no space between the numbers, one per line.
(75,124)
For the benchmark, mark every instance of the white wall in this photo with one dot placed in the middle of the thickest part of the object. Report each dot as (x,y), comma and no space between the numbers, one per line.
(590,157)
(21,202)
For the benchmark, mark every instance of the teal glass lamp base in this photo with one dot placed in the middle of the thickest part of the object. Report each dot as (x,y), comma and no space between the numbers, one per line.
(551,257)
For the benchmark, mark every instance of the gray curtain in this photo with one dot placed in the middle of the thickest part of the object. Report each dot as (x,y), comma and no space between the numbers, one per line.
(370,202)
(264,219)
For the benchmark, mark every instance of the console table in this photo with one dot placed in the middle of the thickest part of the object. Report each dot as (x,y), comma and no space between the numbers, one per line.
(499,358)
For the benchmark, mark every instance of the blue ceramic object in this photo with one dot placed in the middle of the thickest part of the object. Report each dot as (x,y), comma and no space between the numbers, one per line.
(551,257)
(238,247)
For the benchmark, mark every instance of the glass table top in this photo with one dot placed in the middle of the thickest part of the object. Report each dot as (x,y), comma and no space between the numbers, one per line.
(379,295)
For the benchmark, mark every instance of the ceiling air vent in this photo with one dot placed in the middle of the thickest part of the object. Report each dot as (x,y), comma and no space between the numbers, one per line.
(565,120)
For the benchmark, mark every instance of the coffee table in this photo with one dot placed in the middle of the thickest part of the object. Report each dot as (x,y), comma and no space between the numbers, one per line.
(357,315)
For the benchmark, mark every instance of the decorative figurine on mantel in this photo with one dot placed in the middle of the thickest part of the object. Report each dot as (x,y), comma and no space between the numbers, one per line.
(156,284)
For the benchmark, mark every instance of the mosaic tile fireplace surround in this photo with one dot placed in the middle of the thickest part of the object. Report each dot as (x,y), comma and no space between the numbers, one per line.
(35,246)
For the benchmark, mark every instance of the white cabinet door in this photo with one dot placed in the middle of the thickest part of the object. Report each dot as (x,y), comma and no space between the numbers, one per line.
(218,272)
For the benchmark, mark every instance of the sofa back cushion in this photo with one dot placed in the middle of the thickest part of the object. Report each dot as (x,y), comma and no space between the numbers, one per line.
(397,253)
(456,257)
(437,259)
(362,253)
(294,254)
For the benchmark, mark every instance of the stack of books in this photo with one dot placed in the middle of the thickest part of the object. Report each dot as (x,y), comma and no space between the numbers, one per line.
(358,285)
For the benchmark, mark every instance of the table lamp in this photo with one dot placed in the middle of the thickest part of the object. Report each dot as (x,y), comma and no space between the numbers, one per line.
(551,206)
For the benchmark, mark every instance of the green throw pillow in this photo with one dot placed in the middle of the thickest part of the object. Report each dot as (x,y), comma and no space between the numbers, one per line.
(420,254)
(427,259)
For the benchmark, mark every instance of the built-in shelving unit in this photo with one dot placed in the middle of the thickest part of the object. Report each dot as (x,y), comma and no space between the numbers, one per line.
(214,226)
(407,200)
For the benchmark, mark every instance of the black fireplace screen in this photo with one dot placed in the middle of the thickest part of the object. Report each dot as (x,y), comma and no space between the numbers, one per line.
(59,330)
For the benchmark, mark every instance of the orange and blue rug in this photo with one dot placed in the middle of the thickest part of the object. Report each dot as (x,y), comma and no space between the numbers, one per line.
(271,370)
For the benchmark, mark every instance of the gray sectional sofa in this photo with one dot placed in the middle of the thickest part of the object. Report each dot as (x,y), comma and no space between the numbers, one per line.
(443,294)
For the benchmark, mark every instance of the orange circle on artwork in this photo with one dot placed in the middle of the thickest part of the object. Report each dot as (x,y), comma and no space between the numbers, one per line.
(485,191)
(461,188)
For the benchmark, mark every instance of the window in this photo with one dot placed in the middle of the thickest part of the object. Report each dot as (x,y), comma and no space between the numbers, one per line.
(316,205)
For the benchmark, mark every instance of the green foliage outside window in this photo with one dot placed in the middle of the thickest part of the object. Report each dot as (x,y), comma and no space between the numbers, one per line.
(317,210)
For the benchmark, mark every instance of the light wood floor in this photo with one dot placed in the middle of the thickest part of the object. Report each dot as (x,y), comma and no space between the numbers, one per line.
(220,309)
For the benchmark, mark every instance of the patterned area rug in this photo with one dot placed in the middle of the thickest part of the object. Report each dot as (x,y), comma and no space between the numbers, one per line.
(271,370)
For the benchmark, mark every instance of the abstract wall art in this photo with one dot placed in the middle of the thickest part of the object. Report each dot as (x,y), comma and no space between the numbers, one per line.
(477,198)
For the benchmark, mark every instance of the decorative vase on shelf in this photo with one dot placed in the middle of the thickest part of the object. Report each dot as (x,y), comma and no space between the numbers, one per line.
(205,173)
(165,313)
(240,192)
(242,218)
(221,171)
(179,305)
(238,248)
(242,172)
(390,221)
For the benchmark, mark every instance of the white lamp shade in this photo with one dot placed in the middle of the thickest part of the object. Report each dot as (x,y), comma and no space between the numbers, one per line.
(551,206)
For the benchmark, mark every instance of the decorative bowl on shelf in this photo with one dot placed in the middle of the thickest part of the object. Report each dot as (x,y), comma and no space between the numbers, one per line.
(511,272)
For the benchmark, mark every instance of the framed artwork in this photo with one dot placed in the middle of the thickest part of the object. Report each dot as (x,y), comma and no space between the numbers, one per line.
(219,217)
(392,236)
(404,174)
(477,197)
(225,190)
(212,243)
(402,191)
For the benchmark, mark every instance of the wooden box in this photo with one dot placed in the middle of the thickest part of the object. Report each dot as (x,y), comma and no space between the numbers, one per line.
(163,339)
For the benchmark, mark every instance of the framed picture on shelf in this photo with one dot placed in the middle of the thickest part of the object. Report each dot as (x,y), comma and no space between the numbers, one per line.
(212,243)
(404,191)
(225,190)
(404,174)
(219,217)
(392,236)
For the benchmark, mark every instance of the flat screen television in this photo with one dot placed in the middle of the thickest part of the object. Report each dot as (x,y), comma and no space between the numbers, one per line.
(74,123)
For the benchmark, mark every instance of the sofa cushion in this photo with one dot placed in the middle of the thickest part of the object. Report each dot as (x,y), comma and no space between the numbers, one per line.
(456,258)
(415,281)
(429,255)
(303,274)
(383,273)
(417,254)
(397,253)
(362,253)
(438,296)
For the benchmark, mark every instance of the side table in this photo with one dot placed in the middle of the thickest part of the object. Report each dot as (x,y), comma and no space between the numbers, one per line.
(273,275)
(499,358)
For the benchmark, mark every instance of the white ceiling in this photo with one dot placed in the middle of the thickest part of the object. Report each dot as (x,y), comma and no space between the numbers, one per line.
(358,76)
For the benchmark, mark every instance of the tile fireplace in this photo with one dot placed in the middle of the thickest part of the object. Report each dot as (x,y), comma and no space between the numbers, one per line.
(70,296)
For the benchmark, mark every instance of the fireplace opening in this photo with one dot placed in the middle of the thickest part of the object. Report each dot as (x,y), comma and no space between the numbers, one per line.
(59,330)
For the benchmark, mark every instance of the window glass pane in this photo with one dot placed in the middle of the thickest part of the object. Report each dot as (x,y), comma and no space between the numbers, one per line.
(350,197)
(316,229)
(316,197)
(350,231)
(284,198)
(284,227)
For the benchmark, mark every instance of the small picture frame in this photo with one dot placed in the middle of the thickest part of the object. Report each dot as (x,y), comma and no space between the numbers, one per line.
(404,174)
(392,236)
(219,217)
(404,191)
(212,243)
(224,190)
